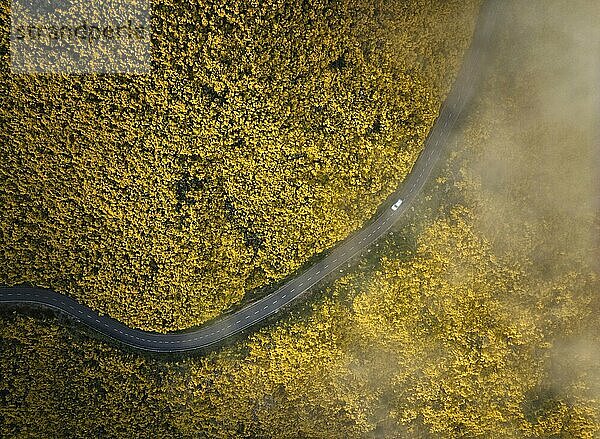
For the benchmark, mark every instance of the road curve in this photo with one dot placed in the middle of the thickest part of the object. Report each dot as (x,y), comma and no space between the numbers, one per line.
(388,214)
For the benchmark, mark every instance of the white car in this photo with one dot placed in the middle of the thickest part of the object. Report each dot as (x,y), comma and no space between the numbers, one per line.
(397,205)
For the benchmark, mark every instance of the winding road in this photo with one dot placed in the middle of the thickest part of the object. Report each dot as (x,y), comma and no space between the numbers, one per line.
(388,214)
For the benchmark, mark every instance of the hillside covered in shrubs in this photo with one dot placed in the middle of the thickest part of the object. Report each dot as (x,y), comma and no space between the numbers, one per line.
(264,133)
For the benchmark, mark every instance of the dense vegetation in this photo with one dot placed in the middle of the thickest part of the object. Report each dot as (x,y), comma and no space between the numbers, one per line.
(265,133)
(478,317)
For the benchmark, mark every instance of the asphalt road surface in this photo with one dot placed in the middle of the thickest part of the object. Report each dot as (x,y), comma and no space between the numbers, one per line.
(330,265)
